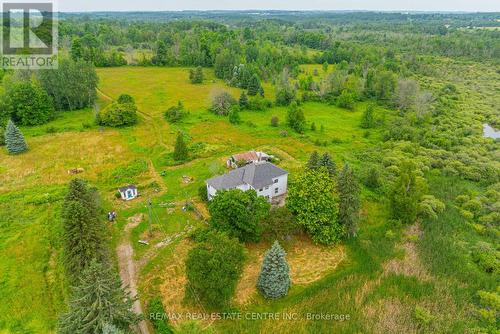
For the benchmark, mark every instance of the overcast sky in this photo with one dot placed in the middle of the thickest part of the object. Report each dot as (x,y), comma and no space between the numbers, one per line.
(399,5)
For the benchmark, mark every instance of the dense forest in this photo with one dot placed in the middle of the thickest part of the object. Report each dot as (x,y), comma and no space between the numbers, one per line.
(377,117)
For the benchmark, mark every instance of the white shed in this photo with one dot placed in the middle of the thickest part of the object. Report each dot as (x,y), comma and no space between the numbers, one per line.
(128,193)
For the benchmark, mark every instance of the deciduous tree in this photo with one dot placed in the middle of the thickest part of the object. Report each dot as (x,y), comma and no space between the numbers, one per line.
(313,200)
(239,213)
(213,268)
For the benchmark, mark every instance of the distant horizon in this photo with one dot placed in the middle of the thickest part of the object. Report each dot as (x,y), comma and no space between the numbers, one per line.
(287,10)
(433,6)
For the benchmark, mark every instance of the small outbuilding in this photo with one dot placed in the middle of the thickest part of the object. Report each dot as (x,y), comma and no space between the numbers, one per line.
(128,193)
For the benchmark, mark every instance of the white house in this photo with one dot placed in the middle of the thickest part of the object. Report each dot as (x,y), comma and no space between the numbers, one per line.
(248,157)
(266,179)
(128,193)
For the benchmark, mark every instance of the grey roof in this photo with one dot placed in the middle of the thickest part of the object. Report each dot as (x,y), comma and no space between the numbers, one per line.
(124,189)
(258,175)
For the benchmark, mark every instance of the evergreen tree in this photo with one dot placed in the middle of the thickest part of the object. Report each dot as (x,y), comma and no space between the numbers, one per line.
(275,121)
(313,162)
(274,279)
(2,136)
(234,116)
(97,302)
(327,162)
(295,117)
(191,76)
(14,139)
(367,121)
(181,150)
(313,126)
(243,102)
(254,86)
(83,234)
(349,205)
(198,75)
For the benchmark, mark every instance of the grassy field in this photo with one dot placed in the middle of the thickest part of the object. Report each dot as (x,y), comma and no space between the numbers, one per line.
(378,279)
(32,185)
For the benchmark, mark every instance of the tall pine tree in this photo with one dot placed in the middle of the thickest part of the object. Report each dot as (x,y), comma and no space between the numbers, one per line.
(254,86)
(349,204)
(327,162)
(313,162)
(180,150)
(274,279)
(98,302)
(14,139)
(83,234)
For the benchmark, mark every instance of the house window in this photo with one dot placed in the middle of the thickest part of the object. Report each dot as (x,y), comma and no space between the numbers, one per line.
(276,190)
(261,190)
(276,181)
(267,188)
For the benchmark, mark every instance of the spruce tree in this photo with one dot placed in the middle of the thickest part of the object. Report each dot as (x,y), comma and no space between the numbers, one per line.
(327,162)
(254,86)
(349,205)
(181,150)
(83,234)
(98,302)
(313,162)
(198,75)
(2,136)
(243,102)
(234,116)
(14,139)
(274,279)
(367,120)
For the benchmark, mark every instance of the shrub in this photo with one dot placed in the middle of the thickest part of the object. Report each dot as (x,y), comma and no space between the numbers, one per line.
(346,100)
(486,257)
(275,121)
(118,115)
(125,98)
(274,279)
(258,103)
(203,193)
(213,268)
(196,75)
(158,317)
(176,113)
(234,115)
(222,103)
(423,316)
(372,178)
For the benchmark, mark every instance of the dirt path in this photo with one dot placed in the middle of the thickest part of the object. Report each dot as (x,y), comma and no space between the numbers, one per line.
(128,269)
